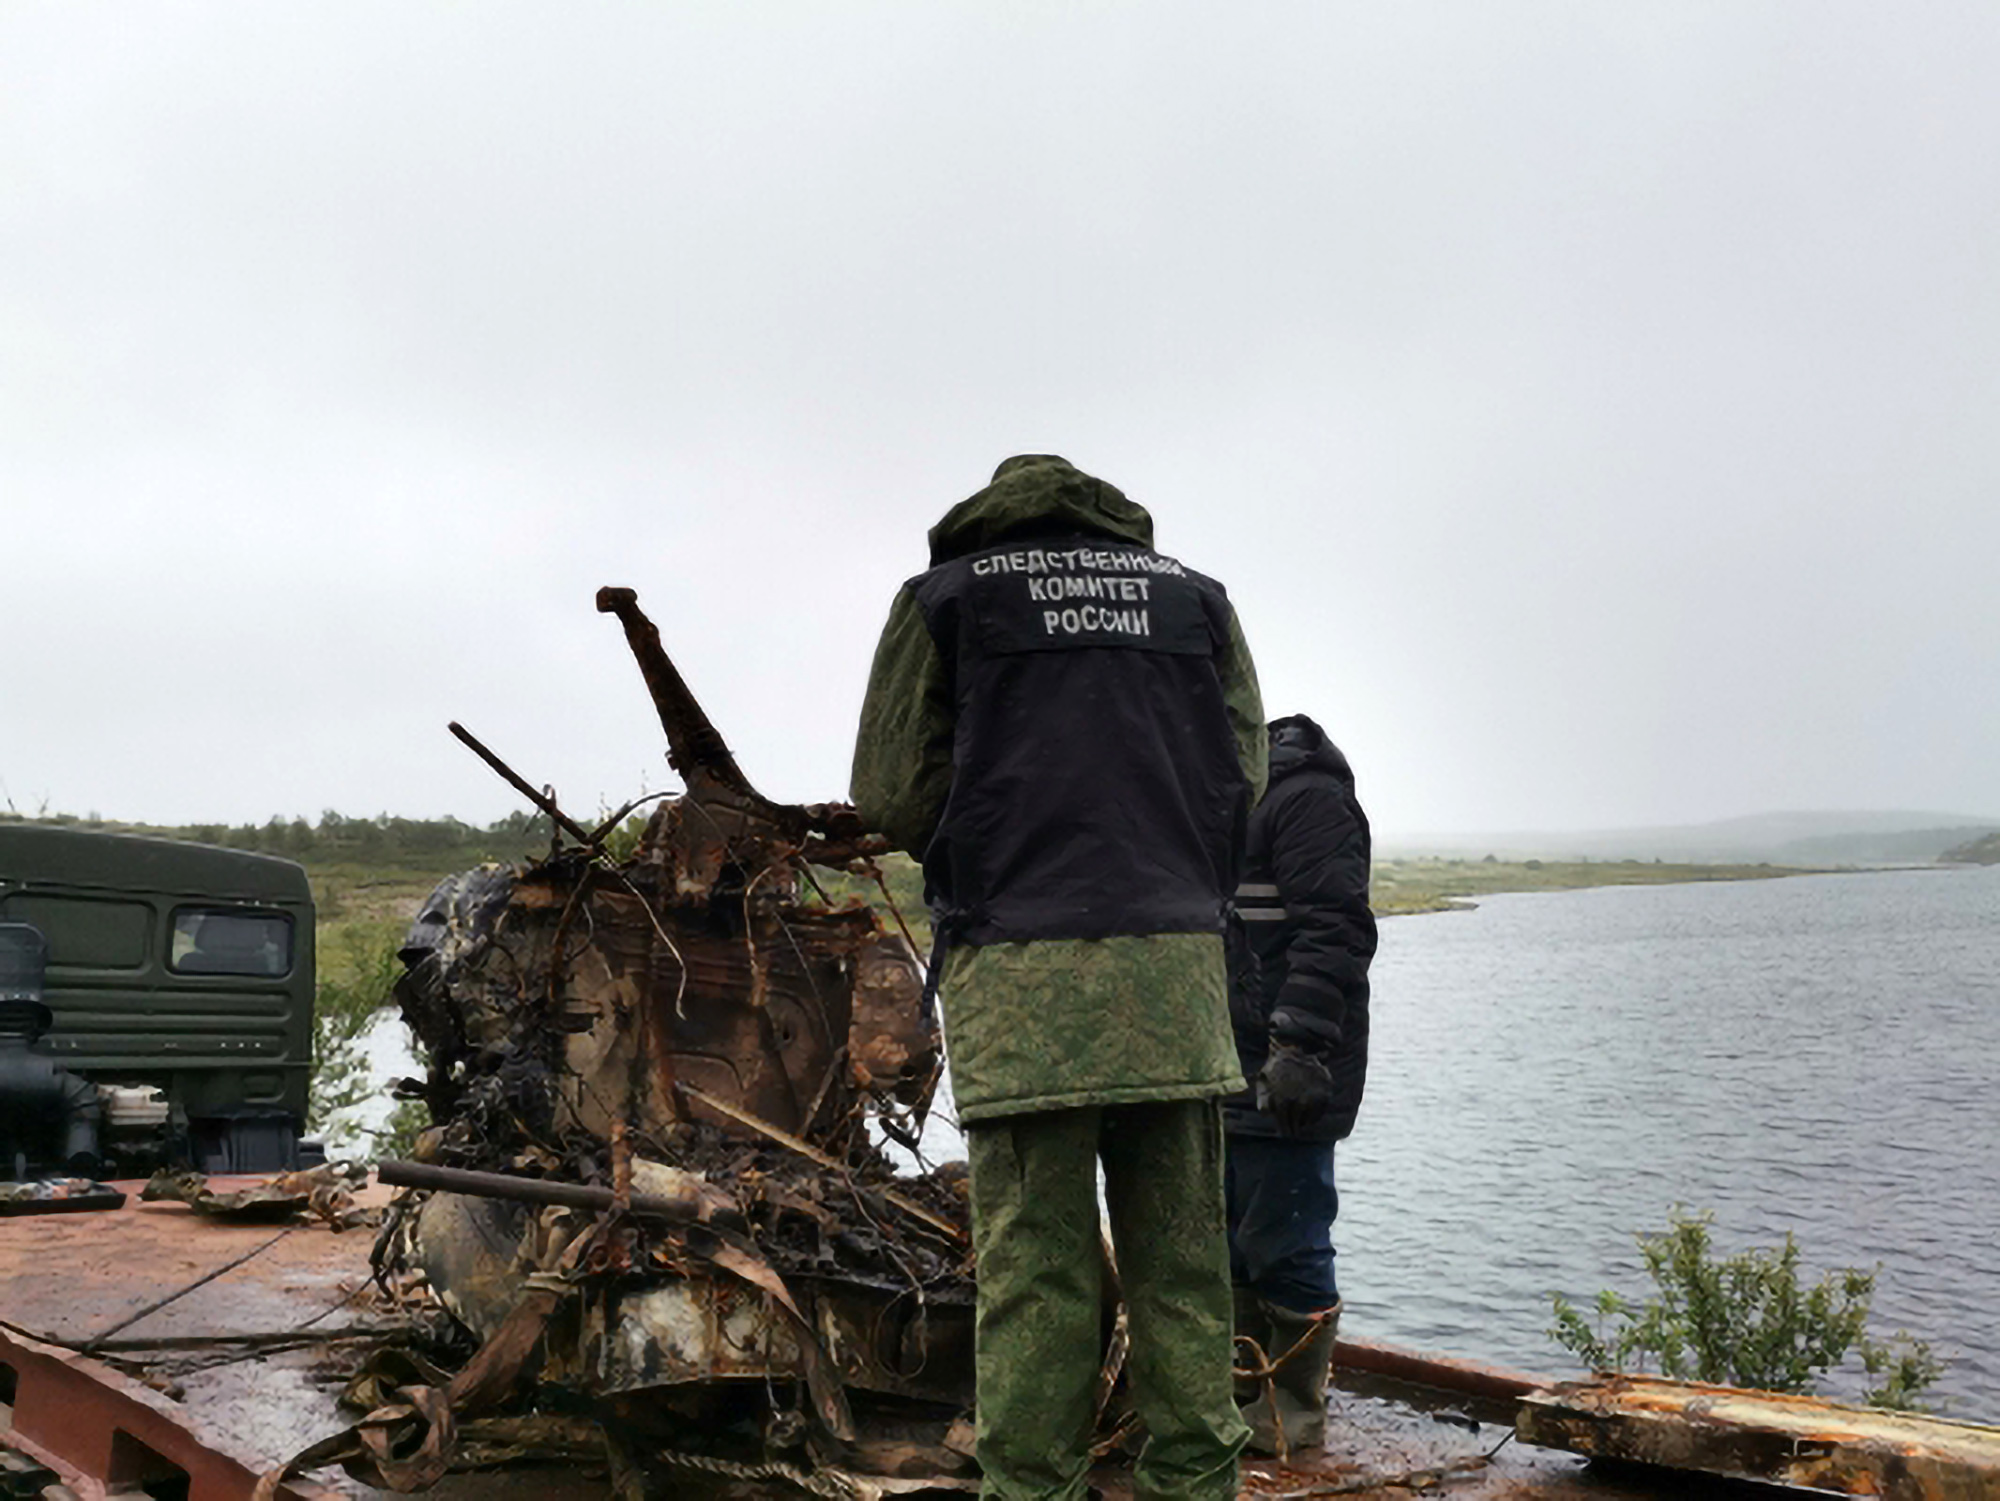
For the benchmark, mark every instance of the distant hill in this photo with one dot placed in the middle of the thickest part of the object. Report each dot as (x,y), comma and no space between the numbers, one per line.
(1982,851)
(1795,838)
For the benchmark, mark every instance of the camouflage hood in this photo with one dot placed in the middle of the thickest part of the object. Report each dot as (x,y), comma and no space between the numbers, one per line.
(1038,495)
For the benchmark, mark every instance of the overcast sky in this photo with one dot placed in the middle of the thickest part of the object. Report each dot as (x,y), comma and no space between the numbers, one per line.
(1590,407)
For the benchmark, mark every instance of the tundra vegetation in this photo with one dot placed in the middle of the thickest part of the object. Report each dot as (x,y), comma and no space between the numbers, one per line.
(1746,1320)
(1434,884)
(1984,850)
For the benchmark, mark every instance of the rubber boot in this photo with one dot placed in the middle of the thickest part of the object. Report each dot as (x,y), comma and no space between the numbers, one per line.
(1295,1399)
(1251,1324)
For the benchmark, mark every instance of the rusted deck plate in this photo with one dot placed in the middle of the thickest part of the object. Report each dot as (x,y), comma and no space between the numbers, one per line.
(72,1276)
(69,1276)
(1802,1441)
(108,1435)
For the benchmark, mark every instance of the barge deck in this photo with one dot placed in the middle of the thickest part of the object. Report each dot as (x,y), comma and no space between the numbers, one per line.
(248,1367)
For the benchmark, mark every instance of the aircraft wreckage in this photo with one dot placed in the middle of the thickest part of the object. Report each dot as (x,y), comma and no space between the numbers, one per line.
(653,1189)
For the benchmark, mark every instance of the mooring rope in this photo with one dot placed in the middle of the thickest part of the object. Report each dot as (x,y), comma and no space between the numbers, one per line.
(829,1483)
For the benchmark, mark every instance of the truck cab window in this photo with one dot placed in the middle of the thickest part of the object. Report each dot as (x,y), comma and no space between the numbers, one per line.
(231,943)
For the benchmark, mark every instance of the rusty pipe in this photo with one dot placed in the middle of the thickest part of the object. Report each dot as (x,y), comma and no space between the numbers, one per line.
(678,1211)
(695,747)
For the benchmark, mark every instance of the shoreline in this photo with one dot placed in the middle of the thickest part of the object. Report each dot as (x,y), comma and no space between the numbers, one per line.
(1416,887)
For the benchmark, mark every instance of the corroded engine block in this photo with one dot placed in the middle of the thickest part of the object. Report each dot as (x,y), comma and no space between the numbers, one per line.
(610,986)
(695,1025)
(588,998)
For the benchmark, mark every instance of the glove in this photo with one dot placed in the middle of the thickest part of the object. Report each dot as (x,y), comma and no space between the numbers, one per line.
(1294,1088)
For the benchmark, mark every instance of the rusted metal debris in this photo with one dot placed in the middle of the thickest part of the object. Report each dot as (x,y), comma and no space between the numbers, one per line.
(1770,1436)
(58,1196)
(323,1193)
(1493,1389)
(665,1077)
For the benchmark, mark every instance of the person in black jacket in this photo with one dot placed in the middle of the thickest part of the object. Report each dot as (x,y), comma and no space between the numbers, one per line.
(1300,945)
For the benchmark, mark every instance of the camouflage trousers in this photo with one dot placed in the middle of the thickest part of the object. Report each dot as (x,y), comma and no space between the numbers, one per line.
(1041,1295)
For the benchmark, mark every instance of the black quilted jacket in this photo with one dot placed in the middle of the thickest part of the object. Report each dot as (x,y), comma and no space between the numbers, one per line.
(1303,935)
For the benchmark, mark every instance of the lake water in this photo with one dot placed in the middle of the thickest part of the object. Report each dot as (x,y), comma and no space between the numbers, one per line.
(1552,1072)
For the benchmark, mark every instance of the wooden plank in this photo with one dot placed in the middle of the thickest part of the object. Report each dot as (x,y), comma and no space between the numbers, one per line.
(1773,1436)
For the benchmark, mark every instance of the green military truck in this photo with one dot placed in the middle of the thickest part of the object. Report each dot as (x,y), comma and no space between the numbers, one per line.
(178,982)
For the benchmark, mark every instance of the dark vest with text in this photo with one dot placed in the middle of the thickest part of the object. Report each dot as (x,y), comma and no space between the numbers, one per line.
(1095,788)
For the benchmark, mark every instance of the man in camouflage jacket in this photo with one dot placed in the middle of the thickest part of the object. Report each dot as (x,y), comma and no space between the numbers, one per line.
(1064,725)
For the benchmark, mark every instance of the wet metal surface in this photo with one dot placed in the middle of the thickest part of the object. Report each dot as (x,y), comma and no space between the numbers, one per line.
(110,1434)
(69,1277)
(72,1277)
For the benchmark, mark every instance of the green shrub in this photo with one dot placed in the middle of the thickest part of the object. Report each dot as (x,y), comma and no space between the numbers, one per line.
(1744,1320)
(1906,1368)
(355,983)
(622,843)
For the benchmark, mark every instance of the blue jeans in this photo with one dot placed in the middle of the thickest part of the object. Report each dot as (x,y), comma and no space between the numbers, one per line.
(1281,1207)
